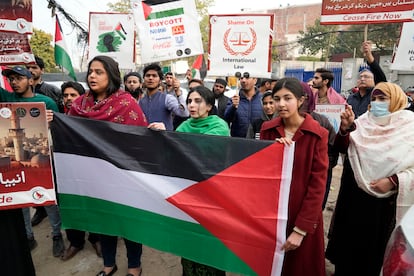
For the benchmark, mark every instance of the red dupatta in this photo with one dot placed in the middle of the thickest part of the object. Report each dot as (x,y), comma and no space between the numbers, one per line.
(120,107)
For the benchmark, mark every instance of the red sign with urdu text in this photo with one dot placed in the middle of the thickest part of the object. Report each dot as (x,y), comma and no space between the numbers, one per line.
(26,177)
(366,11)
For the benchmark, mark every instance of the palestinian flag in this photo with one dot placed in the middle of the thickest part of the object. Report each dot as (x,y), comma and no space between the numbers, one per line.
(4,82)
(62,57)
(149,14)
(120,30)
(199,68)
(220,201)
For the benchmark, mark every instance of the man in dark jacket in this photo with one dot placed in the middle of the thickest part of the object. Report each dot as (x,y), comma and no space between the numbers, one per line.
(269,110)
(221,100)
(43,88)
(244,107)
(366,81)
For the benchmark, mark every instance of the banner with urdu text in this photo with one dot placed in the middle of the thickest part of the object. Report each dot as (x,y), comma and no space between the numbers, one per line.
(207,198)
(16,16)
(15,26)
(25,164)
(368,11)
(167,29)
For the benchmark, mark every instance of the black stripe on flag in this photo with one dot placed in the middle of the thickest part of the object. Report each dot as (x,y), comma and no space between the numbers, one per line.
(190,156)
(158,2)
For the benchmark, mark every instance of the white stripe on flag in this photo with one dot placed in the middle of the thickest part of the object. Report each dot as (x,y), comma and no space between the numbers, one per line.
(84,176)
(288,156)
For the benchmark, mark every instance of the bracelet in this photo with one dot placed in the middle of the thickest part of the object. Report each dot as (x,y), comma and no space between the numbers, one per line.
(300,232)
(394,180)
(343,135)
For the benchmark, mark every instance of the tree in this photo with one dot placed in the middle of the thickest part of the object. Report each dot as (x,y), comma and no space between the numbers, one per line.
(383,37)
(318,39)
(120,6)
(41,44)
(275,51)
(329,40)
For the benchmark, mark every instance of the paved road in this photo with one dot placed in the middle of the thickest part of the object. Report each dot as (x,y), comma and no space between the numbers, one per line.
(154,263)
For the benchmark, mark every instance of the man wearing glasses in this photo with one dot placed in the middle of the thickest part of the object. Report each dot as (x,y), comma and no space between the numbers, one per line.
(245,107)
(21,81)
(367,79)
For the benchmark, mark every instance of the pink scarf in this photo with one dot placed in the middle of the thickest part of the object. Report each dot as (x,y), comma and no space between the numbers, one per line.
(120,107)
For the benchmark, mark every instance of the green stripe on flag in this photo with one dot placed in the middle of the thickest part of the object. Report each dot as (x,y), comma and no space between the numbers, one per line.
(166,13)
(62,58)
(163,233)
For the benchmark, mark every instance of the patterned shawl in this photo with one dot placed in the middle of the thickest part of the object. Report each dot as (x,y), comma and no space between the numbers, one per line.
(120,107)
(381,147)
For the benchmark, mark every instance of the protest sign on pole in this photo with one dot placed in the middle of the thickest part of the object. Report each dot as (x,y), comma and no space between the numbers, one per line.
(404,56)
(167,29)
(15,25)
(16,16)
(368,11)
(25,164)
(240,43)
(113,35)
(15,49)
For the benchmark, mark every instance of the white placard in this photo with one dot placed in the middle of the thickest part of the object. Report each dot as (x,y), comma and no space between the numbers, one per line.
(113,35)
(332,112)
(167,29)
(404,57)
(240,43)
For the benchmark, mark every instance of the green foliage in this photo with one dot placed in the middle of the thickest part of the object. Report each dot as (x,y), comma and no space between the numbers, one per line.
(318,38)
(275,52)
(120,6)
(383,37)
(329,40)
(41,44)
(308,58)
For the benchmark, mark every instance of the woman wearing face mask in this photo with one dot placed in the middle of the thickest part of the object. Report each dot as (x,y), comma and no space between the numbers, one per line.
(377,184)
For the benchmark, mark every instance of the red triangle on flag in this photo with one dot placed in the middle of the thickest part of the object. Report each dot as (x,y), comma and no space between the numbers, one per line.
(250,232)
(58,31)
(198,62)
(147,10)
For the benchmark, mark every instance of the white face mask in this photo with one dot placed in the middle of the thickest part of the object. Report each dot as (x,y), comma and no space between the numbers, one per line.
(379,109)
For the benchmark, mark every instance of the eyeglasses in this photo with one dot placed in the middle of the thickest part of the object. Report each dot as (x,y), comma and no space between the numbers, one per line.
(16,78)
(365,77)
(240,76)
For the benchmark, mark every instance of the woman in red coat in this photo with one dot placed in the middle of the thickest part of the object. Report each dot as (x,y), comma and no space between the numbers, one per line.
(304,246)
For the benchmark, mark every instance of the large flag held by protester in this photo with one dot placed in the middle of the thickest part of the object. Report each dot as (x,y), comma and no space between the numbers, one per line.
(25,164)
(241,43)
(404,56)
(168,29)
(62,57)
(220,201)
(113,35)
(364,12)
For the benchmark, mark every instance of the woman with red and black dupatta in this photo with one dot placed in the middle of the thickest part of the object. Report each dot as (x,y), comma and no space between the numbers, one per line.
(107,102)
